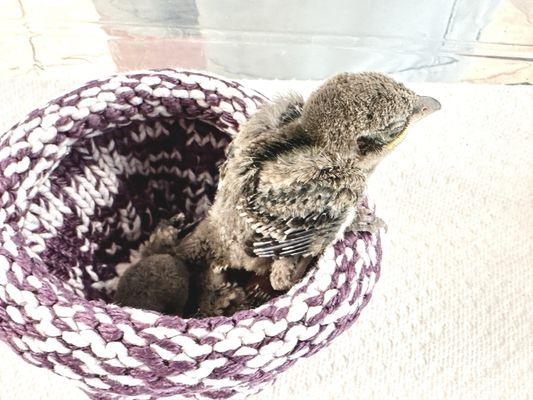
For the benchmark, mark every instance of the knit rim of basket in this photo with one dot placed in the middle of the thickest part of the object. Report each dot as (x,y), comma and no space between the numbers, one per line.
(59,173)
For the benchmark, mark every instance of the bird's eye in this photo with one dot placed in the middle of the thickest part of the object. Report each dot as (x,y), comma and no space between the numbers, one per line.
(369,144)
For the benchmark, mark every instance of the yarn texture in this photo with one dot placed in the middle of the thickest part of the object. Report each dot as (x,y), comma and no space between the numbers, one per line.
(83,181)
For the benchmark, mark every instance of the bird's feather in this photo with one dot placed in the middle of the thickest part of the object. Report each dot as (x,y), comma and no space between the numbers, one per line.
(281,228)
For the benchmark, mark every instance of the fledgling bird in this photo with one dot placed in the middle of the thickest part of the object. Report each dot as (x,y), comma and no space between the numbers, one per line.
(293,182)
(158,282)
(295,176)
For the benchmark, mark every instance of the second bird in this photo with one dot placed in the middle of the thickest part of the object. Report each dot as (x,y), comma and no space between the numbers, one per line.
(295,175)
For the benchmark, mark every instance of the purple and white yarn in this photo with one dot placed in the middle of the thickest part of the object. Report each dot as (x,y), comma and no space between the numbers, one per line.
(83,181)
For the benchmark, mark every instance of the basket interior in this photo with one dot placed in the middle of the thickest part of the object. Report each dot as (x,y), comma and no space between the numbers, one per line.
(117,186)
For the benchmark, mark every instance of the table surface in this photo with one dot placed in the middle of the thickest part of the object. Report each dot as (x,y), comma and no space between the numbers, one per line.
(483,41)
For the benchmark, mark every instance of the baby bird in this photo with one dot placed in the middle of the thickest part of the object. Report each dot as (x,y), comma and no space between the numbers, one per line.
(293,183)
(295,176)
(160,281)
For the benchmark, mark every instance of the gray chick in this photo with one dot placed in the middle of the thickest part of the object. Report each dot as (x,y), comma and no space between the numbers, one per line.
(160,281)
(295,176)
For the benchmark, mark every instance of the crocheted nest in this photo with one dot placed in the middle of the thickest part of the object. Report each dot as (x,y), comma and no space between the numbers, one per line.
(83,181)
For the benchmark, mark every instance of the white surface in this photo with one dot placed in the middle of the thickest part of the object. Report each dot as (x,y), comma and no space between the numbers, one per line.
(451,315)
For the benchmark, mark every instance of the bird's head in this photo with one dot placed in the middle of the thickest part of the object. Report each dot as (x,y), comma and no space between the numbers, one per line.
(366,114)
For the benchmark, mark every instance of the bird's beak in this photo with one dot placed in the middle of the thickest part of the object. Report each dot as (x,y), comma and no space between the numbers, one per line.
(424,106)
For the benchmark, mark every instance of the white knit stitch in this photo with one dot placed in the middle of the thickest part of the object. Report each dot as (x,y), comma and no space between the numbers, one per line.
(97,383)
(151,80)
(280,303)
(19,344)
(252,337)
(32,343)
(30,125)
(322,280)
(225,328)
(15,293)
(14,314)
(30,302)
(130,336)
(47,329)
(246,351)
(239,116)
(98,106)
(276,328)
(87,102)
(4,268)
(90,92)
(18,134)
(64,312)
(326,332)
(296,311)
(142,87)
(122,354)
(287,347)
(190,347)
(262,325)
(258,361)
(106,97)
(75,339)
(52,345)
(298,354)
(250,105)
(17,167)
(329,294)
(307,333)
(161,332)
(206,367)
(361,251)
(180,93)
(358,267)
(65,371)
(197,94)
(103,318)
(188,79)
(228,344)
(275,363)
(34,281)
(271,348)
(164,354)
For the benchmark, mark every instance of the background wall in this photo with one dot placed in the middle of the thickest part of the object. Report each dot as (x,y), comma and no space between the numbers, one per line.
(415,40)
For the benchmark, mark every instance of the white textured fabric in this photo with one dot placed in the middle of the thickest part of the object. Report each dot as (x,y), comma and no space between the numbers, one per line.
(451,316)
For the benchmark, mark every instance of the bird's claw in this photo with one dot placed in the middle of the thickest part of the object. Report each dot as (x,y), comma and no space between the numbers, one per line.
(287,271)
(224,300)
(367,221)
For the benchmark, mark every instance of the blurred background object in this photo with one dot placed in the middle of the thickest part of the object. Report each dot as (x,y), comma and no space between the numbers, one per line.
(487,41)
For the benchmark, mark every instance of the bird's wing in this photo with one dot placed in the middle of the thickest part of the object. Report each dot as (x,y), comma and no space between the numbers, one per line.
(281,226)
(282,229)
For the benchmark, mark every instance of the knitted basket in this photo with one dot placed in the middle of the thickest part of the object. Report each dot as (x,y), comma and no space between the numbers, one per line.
(83,181)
